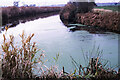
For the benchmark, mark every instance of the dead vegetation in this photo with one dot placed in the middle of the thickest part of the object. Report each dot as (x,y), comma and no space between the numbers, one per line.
(19,61)
(108,21)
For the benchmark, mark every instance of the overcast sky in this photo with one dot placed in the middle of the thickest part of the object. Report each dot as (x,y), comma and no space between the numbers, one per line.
(44,2)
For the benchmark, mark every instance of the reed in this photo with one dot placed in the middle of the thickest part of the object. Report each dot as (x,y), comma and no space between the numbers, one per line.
(96,67)
(18,62)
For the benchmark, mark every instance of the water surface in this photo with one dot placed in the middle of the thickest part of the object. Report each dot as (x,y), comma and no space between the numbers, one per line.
(53,37)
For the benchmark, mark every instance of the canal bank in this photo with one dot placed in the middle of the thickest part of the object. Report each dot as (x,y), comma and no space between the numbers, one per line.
(12,15)
(100,20)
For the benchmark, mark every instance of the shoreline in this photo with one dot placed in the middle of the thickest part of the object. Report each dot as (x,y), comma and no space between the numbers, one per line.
(95,20)
(12,16)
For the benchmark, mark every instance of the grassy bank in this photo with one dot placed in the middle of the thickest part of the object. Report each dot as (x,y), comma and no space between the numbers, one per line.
(15,14)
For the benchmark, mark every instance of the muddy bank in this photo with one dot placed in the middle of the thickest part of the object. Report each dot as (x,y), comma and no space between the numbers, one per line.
(15,15)
(96,20)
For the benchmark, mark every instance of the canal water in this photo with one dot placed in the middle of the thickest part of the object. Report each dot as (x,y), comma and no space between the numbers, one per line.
(55,38)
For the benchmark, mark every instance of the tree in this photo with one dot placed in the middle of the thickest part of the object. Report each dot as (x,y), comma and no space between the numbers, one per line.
(16,3)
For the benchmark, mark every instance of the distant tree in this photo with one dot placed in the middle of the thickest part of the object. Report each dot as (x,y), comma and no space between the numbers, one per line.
(33,5)
(25,5)
(16,3)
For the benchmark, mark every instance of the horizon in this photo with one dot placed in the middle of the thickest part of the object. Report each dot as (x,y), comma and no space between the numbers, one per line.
(47,3)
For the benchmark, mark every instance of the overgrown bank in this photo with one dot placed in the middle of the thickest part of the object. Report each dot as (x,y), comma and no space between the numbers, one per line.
(14,15)
(100,20)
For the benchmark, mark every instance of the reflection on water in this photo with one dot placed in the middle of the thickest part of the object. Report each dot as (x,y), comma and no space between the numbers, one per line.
(53,37)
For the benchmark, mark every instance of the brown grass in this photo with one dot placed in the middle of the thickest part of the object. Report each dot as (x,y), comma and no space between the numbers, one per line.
(18,62)
(108,21)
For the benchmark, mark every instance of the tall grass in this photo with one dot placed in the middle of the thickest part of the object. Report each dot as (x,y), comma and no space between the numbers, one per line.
(18,62)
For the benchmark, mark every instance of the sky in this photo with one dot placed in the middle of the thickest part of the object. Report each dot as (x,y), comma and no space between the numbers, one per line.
(45,2)
(37,2)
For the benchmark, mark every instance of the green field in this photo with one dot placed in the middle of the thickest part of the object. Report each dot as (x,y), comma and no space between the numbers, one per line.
(114,8)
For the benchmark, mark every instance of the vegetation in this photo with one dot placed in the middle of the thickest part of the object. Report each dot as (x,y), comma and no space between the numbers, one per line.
(98,21)
(95,68)
(11,14)
(18,61)
(114,8)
